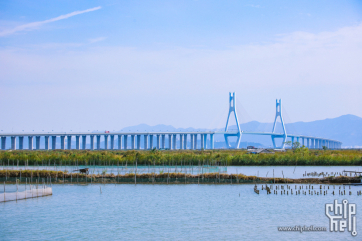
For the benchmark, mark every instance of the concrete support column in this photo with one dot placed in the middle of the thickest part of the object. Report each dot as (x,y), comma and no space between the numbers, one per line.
(212,141)
(145,140)
(77,143)
(62,142)
(174,141)
(30,142)
(307,143)
(205,141)
(119,142)
(69,142)
(195,141)
(181,141)
(192,142)
(21,142)
(112,142)
(151,142)
(125,142)
(98,142)
(170,142)
(302,144)
(138,142)
(105,142)
(163,141)
(202,147)
(3,142)
(292,140)
(46,142)
(185,141)
(158,141)
(91,142)
(84,142)
(298,139)
(37,142)
(132,142)
(13,143)
(54,142)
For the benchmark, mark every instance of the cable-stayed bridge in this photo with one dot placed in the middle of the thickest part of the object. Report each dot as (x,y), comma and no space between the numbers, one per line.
(161,140)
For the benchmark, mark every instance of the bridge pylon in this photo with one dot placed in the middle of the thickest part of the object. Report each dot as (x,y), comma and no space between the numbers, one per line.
(278,113)
(232,108)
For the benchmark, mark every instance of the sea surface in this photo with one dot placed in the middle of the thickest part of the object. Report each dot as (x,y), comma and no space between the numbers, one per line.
(170,212)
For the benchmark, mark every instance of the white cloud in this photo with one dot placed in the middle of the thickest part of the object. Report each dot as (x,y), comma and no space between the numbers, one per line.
(35,25)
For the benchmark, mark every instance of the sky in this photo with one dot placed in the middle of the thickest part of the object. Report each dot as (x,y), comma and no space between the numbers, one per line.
(106,65)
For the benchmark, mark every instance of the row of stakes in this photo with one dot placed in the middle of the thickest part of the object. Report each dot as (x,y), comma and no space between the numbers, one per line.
(326,174)
(301,190)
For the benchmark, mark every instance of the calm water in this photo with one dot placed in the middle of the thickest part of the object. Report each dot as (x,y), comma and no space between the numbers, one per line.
(168,212)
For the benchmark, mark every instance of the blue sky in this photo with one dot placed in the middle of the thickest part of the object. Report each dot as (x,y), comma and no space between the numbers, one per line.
(111,64)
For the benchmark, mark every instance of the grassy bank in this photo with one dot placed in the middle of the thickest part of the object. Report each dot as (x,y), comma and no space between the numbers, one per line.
(300,157)
(63,177)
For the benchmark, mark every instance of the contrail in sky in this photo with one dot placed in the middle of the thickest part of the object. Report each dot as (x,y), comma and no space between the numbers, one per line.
(35,25)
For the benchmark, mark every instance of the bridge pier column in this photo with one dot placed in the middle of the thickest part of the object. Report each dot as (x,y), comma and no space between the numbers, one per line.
(185,141)
(112,142)
(151,142)
(138,142)
(62,142)
(158,142)
(205,141)
(212,141)
(84,142)
(105,142)
(132,142)
(98,142)
(202,147)
(37,142)
(91,142)
(119,142)
(54,142)
(170,141)
(21,142)
(46,142)
(192,142)
(69,142)
(174,141)
(125,142)
(181,141)
(77,142)
(13,143)
(3,142)
(195,141)
(145,144)
(30,142)
(163,141)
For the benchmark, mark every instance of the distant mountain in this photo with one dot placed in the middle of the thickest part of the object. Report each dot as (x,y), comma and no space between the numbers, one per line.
(346,128)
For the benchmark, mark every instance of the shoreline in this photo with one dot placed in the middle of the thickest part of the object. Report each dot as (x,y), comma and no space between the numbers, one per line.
(60,177)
